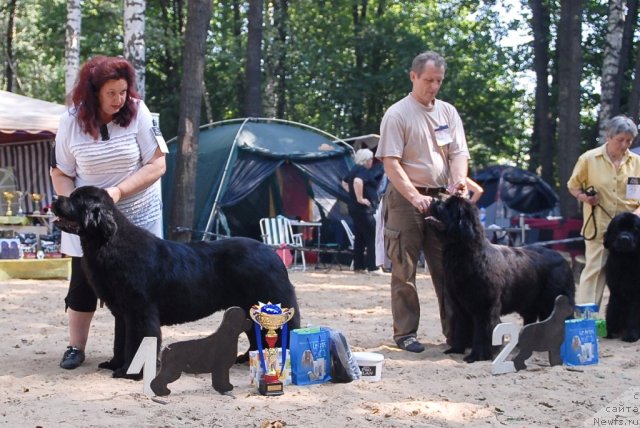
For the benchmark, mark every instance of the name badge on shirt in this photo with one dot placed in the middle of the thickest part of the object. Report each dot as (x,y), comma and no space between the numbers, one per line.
(443,135)
(157,134)
(633,188)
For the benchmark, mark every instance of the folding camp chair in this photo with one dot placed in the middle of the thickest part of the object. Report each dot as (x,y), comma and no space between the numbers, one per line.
(277,231)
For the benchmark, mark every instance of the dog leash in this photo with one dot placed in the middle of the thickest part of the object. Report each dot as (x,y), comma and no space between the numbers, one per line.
(592,218)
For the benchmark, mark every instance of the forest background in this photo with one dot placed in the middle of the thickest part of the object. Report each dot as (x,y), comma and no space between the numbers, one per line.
(532,80)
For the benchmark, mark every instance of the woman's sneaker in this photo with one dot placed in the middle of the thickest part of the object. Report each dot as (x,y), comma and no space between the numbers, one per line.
(72,358)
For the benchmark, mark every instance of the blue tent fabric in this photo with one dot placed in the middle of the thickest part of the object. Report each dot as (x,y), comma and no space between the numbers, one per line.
(250,170)
(239,157)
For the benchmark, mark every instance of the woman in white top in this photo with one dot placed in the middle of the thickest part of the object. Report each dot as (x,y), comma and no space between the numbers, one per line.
(106,139)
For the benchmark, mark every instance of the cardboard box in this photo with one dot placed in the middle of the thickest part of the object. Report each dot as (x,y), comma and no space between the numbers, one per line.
(255,368)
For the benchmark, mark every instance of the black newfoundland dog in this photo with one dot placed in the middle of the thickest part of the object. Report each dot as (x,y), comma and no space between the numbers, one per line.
(487,280)
(147,282)
(622,270)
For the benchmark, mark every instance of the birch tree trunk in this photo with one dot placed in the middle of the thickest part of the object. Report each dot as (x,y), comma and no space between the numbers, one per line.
(72,45)
(199,14)
(253,71)
(630,24)
(569,76)
(11,8)
(134,19)
(611,63)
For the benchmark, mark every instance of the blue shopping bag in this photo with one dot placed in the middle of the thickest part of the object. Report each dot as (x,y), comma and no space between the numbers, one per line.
(310,355)
(580,346)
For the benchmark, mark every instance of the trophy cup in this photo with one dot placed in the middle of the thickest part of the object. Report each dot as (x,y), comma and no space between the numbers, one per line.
(36,198)
(8,196)
(271,317)
(20,194)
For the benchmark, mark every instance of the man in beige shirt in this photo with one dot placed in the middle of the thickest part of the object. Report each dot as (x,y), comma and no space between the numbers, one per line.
(424,152)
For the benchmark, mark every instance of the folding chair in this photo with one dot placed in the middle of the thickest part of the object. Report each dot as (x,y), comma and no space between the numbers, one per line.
(277,231)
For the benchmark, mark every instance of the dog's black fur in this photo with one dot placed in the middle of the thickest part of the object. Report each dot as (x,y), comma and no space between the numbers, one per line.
(147,282)
(622,271)
(488,280)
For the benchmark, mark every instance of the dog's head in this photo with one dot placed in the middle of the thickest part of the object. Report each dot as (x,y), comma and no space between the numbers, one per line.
(88,211)
(623,233)
(456,218)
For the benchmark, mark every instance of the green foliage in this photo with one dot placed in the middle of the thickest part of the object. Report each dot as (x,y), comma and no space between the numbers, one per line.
(339,76)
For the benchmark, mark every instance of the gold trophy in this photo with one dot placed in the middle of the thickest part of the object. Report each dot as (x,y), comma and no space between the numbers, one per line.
(36,198)
(8,196)
(271,317)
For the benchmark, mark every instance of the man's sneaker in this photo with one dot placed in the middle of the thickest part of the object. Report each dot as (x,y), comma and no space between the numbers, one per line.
(410,344)
(72,358)
(376,272)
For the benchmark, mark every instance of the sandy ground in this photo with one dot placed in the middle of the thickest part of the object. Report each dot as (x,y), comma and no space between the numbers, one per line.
(416,390)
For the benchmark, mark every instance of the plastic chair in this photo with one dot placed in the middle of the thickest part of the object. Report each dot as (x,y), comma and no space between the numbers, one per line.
(277,231)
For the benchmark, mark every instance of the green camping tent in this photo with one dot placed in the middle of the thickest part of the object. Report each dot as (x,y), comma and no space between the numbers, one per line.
(253,168)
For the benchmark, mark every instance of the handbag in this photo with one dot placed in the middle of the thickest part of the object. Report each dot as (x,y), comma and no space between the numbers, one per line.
(310,355)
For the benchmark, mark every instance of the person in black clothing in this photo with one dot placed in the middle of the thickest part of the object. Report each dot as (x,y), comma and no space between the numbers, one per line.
(362,185)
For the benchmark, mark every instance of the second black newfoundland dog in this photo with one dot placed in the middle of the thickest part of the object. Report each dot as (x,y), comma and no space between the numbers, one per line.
(622,270)
(147,282)
(487,280)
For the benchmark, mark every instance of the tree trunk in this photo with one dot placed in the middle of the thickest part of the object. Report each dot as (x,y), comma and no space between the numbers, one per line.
(72,45)
(569,75)
(630,24)
(11,9)
(375,108)
(543,139)
(611,62)
(199,14)
(359,15)
(134,20)
(253,71)
(281,23)
(237,35)
(634,96)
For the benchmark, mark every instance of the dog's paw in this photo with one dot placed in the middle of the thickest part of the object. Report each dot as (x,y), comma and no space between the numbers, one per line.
(110,365)
(121,373)
(470,358)
(476,356)
(223,388)
(631,337)
(159,389)
(242,358)
(455,350)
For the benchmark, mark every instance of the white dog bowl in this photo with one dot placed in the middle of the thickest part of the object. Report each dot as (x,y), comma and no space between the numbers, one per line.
(370,364)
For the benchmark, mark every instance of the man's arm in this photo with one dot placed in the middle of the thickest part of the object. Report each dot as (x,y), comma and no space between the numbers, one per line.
(459,166)
(400,180)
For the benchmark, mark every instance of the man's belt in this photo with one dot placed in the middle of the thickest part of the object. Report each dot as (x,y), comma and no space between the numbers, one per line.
(431,191)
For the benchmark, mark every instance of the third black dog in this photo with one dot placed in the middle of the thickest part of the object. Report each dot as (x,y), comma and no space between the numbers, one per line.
(622,270)
(488,280)
(147,282)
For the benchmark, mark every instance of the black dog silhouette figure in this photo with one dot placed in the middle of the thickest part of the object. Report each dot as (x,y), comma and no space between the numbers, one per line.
(213,354)
(546,335)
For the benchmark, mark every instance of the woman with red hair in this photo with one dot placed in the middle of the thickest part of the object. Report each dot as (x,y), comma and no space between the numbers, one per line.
(106,139)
